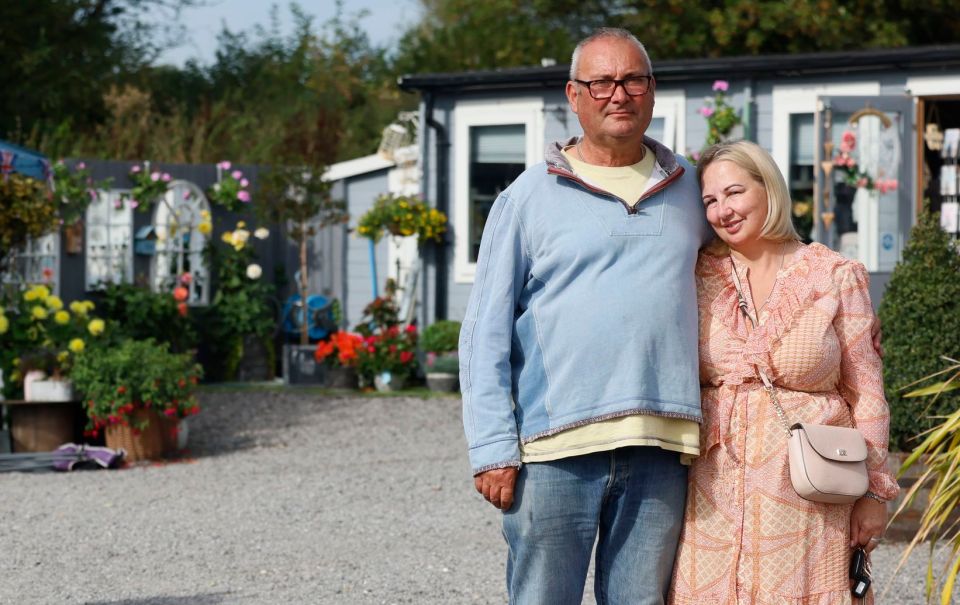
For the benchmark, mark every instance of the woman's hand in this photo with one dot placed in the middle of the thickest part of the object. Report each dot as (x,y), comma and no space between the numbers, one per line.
(867,523)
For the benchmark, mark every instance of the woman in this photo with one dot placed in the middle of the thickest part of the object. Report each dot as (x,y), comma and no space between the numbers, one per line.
(748,537)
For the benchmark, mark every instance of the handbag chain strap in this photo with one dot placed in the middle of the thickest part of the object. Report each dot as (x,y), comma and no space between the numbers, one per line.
(767,384)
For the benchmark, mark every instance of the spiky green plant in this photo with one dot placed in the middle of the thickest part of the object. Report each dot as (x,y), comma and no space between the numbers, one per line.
(940,453)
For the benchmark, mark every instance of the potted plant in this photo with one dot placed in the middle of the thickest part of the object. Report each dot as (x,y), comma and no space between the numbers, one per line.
(440,341)
(339,353)
(299,199)
(402,216)
(136,392)
(387,358)
(241,317)
(40,340)
(27,210)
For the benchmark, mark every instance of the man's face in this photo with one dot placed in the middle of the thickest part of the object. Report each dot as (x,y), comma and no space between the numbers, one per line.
(621,116)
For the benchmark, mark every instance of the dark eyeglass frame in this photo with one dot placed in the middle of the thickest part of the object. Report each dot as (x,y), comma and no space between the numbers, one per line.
(622,83)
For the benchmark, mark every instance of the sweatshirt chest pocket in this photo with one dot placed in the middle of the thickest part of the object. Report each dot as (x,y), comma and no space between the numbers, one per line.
(614,219)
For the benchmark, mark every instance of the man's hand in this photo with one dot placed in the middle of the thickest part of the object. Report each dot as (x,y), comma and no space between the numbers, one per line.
(497,486)
(867,522)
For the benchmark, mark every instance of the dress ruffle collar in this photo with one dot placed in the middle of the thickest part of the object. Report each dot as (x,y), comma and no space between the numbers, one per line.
(793,292)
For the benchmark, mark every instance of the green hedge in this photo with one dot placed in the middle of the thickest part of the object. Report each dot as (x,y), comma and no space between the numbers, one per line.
(920,319)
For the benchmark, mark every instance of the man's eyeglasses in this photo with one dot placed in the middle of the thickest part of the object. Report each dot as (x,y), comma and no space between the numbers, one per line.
(604,89)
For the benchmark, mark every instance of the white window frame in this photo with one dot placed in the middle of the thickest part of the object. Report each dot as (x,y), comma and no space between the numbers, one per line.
(162,281)
(470,113)
(671,105)
(29,250)
(109,199)
(792,99)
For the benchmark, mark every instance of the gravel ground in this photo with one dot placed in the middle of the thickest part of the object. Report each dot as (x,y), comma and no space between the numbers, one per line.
(288,497)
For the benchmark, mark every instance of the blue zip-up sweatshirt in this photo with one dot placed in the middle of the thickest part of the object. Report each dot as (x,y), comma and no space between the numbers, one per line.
(582,309)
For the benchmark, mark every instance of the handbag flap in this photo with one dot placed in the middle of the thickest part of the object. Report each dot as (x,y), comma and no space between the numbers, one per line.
(835,442)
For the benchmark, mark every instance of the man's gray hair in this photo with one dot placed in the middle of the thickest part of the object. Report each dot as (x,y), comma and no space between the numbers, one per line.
(607,32)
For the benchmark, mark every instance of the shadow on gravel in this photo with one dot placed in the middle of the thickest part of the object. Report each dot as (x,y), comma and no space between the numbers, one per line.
(241,419)
(197,599)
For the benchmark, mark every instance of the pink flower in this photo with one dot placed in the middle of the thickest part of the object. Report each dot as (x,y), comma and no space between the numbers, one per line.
(135,169)
(93,194)
(154,176)
(224,165)
(848,142)
(187,194)
(186,278)
(411,329)
(244,182)
(706,111)
(133,204)
(237,174)
(118,203)
(243,196)
(862,182)
(721,86)
(696,156)
(166,177)
(81,166)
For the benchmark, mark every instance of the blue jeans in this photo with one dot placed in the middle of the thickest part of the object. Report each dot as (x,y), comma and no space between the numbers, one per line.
(629,500)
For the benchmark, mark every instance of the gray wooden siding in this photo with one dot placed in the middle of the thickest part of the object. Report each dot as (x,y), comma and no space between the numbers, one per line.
(360,193)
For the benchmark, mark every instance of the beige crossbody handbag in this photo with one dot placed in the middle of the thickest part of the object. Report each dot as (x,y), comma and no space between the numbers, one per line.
(827,463)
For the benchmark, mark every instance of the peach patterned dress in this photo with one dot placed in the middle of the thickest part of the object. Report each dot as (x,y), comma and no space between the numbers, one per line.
(747,536)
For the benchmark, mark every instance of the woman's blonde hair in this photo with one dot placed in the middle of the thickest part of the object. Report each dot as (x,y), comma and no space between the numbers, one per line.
(760,165)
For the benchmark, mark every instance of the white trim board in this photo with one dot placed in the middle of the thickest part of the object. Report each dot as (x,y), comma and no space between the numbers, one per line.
(468,113)
(802,98)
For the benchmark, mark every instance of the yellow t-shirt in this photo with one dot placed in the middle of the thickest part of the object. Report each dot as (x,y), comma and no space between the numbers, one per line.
(674,434)
(626,182)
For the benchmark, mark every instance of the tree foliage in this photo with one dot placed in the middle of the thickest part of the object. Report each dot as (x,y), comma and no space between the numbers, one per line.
(920,319)
(79,76)
(59,56)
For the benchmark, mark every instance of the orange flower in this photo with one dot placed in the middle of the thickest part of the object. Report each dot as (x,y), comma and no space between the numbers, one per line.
(180,294)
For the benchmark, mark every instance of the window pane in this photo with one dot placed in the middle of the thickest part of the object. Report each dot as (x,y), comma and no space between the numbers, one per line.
(498,145)
(497,157)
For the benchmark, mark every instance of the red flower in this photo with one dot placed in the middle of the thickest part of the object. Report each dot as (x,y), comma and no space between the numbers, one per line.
(180,294)
(170,412)
(393,349)
(182,309)
(411,329)
(181,383)
(406,356)
(121,390)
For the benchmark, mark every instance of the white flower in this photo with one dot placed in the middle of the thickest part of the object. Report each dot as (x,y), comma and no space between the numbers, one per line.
(254,271)
(240,237)
(261,233)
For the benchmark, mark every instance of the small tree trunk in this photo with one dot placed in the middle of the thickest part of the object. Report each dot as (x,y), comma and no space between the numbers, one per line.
(304,326)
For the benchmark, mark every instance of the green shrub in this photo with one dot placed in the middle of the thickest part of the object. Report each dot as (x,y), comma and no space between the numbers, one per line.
(445,364)
(137,313)
(441,337)
(920,319)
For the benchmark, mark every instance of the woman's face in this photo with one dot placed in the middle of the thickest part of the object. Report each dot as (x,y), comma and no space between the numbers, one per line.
(735,203)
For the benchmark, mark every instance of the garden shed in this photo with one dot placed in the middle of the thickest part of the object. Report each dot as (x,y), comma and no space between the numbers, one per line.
(481,129)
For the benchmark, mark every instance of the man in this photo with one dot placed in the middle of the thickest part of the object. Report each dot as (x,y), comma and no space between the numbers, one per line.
(579,346)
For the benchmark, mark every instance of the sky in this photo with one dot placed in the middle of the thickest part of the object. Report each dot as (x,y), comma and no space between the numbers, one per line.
(384,23)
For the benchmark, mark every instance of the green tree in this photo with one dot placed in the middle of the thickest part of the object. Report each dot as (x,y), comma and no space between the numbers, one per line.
(60,55)
(920,319)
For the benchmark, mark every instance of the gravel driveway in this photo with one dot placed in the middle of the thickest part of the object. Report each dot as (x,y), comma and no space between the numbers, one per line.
(289,497)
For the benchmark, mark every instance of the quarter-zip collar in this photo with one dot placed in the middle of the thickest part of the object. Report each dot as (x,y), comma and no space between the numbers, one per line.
(665,161)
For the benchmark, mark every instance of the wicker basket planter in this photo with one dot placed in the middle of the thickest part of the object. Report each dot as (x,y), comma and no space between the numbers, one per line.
(145,444)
